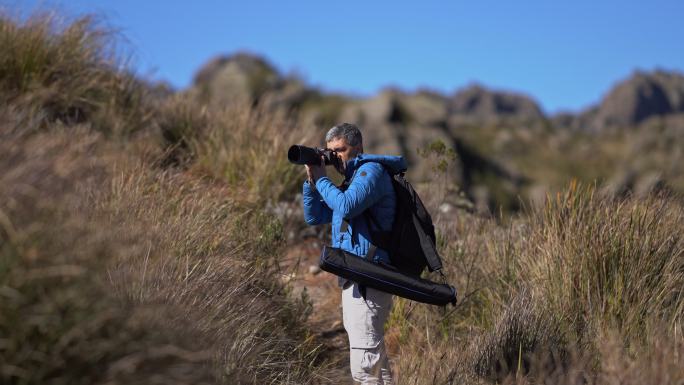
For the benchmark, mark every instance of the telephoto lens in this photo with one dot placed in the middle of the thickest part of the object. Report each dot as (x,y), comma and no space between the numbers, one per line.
(303,155)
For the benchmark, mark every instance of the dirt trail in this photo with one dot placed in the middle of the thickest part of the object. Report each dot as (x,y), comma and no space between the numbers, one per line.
(301,262)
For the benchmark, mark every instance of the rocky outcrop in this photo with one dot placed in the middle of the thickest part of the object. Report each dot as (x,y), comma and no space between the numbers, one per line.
(395,122)
(244,78)
(479,103)
(426,108)
(239,77)
(642,96)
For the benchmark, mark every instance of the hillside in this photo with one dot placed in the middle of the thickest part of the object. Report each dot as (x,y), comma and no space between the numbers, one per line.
(507,149)
(154,236)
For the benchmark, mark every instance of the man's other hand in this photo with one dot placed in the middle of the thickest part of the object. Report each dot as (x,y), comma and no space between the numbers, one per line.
(315,172)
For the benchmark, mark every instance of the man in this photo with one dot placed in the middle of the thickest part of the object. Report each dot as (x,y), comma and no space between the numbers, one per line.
(367,186)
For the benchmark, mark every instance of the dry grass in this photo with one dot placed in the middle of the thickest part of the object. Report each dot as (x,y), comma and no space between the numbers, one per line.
(199,261)
(609,264)
(69,72)
(246,147)
(584,284)
(114,271)
(241,145)
(117,270)
(60,322)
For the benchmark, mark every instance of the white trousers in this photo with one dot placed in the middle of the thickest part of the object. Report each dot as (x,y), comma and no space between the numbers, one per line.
(364,321)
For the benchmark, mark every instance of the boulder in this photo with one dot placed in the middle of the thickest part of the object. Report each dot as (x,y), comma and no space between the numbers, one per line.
(478,103)
(425,108)
(381,120)
(236,78)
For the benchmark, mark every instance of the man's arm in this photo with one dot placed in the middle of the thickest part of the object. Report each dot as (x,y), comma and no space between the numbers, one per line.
(362,193)
(316,212)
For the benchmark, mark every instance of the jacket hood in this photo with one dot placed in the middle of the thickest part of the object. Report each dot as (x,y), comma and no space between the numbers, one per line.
(395,164)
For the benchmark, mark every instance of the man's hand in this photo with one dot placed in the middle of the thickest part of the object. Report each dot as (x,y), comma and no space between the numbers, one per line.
(315,172)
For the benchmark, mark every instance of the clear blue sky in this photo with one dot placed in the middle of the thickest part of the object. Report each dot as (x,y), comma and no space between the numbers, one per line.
(565,54)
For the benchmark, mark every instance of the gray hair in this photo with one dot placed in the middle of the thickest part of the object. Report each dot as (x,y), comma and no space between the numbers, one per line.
(350,133)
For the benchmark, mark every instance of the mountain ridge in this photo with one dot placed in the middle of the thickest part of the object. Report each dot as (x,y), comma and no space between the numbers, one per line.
(629,102)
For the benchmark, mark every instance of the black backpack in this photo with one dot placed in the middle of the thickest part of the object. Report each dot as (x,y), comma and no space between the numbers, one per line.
(411,243)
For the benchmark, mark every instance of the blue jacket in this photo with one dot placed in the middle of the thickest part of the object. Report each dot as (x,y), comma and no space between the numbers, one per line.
(371,187)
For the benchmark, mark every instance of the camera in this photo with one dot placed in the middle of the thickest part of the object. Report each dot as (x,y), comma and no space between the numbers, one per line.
(298,154)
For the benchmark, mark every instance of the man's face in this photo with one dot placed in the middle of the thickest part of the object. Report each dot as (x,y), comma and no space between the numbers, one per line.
(344,151)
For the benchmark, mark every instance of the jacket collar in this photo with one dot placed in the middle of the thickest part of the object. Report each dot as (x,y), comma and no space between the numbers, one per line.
(350,168)
(394,163)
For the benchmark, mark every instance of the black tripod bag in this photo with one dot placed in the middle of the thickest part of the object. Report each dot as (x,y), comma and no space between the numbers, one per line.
(385,278)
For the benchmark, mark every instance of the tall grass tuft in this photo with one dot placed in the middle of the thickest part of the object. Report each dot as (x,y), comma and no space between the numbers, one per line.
(525,335)
(545,293)
(246,148)
(607,264)
(69,73)
(195,257)
(59,320)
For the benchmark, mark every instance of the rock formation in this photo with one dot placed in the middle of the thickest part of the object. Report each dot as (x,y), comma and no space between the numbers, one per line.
(478,103)
(400,122)
(634,100)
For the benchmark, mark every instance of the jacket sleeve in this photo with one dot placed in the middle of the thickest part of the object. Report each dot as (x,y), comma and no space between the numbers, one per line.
(363,192)
(316,212)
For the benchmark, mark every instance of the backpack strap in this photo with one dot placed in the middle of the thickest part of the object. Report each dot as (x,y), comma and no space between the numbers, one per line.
(379,238)
(427,238)
(372,248)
